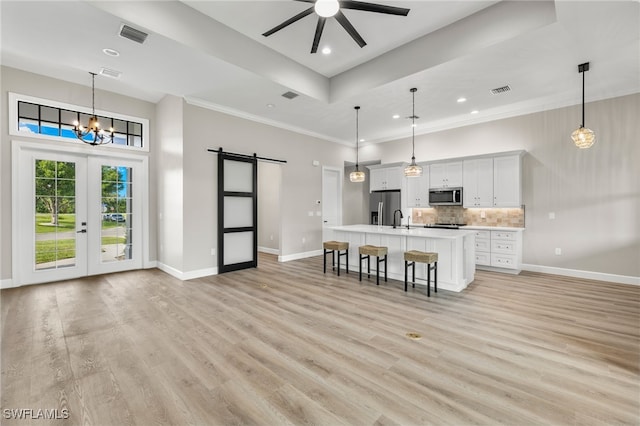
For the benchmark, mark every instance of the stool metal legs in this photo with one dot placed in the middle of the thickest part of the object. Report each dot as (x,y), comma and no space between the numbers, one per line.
(413,270)
(333,260)
(379,261)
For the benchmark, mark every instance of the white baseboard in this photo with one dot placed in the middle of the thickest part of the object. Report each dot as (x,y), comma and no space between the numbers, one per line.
(183,276)
(590,275)
(8,283)
(297,256)
(150,264)
(268,250)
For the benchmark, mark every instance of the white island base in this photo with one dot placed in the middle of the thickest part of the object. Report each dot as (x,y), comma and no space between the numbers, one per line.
(455,248)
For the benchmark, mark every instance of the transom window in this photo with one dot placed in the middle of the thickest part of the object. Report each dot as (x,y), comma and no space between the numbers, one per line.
(54,121)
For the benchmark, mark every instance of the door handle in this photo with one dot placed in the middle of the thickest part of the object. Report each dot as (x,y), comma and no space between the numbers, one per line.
(82,231)
(326,221)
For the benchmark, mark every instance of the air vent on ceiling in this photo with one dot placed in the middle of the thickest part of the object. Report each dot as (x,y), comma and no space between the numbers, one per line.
(132,34)
(110,73)
(289,95)
(499,90)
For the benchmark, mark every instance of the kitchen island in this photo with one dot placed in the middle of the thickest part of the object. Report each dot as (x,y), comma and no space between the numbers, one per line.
(455,248)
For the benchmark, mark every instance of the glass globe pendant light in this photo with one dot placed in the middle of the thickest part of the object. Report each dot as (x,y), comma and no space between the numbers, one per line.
(413,169)
(357,175)
(582,136)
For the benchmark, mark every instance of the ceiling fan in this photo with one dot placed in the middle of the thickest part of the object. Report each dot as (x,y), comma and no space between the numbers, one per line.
(329,8)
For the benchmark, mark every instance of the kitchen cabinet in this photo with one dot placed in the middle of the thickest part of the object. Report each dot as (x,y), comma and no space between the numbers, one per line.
(418,189)
(507,178)
(498,250)
(445,175)
(383,178)
(477,182)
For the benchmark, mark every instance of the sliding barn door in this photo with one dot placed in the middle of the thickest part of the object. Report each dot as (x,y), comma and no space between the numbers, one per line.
(237,212)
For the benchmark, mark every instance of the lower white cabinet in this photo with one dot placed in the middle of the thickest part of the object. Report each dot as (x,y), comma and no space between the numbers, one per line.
(499,250)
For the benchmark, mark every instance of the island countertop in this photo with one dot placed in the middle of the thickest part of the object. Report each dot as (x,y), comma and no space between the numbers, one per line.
(455,248)
(403,231)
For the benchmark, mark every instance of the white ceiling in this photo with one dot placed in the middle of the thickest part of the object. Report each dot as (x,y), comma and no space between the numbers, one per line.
(213,54)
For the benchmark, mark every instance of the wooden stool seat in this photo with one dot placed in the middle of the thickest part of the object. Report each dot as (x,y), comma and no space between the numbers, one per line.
(333,247)
(380,253)
(412,257)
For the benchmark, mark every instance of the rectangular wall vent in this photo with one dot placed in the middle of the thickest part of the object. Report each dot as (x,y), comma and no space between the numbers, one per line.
(132,34)
(499,90)
(290,95)
(110,73)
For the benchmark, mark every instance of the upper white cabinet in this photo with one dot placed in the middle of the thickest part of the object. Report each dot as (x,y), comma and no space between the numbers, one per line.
(507,181)
(492,182)
(445,175)
(418,189)
(382,178)
(477,182)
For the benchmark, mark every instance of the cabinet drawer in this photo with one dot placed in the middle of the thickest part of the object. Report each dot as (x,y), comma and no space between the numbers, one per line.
(483,234)
(503,261)
(503,246)
(503,235)
(483,258)
(482,244)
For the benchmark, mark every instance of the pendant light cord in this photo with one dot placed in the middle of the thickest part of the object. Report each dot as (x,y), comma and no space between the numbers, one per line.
(582,125)
(93,93)
(357,108)
(413,126)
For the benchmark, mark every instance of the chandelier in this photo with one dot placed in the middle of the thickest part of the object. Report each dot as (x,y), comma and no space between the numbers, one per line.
(92,134)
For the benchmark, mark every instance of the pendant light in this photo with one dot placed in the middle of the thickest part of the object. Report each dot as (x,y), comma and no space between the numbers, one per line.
(583,137)
(96,135)
(357,175)
(413,170)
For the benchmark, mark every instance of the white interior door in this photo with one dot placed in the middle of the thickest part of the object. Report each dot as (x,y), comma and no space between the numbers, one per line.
(331,198)
(74,215)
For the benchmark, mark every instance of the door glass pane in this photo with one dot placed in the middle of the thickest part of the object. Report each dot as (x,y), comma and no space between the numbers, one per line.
(55,214)
(238,212)
(238,176)
(238,247)
(116,214)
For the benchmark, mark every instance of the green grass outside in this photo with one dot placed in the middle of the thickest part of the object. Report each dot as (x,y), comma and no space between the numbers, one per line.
(66,223)
(50,250)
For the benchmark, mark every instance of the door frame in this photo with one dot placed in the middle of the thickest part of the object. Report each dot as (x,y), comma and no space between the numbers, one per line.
(18,146)
(338,195)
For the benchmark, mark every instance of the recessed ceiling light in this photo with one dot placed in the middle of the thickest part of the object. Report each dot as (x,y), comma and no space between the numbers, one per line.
(475,111)
(396,116)
(110,52)
(326,50)
(271,106)
(361,140)
(414,125)
(461,100)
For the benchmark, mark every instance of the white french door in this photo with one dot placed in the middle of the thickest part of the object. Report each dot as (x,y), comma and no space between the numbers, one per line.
(76,214)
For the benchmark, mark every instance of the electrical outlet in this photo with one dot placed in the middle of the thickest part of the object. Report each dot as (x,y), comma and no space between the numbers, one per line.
(304,240)
(552,215)
(558,251)
(310,213)
(213,252)
(483,215)
(419,213)
(271,237)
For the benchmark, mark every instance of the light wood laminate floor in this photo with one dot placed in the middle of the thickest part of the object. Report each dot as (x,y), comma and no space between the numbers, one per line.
(284,344)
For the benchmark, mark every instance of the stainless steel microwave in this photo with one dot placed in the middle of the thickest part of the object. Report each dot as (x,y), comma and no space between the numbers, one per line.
(445,197)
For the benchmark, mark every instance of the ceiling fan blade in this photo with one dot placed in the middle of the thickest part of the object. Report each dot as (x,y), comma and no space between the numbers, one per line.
(307,1)
(316,37)
(349,28)
(371,7)
(289,22)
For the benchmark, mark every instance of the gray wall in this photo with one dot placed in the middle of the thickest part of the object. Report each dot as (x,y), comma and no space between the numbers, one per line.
(594,193)
(25,83)
(301,181)
(269,199)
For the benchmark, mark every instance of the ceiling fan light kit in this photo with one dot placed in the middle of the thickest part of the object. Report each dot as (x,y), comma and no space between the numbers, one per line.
(332,8)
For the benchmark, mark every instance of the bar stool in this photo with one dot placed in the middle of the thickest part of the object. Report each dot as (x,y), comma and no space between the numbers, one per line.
(413,256)
(365,253)
(333,247)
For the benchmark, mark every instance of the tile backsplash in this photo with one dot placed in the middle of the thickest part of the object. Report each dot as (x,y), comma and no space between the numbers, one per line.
(457,214)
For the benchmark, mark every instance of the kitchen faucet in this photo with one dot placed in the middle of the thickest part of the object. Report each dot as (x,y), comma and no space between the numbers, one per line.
(394,217)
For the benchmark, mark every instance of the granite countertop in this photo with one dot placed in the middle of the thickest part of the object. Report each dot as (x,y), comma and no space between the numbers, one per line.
(412,232)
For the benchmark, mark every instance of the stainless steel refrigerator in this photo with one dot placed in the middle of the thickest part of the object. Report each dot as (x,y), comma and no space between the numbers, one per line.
(382,204)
